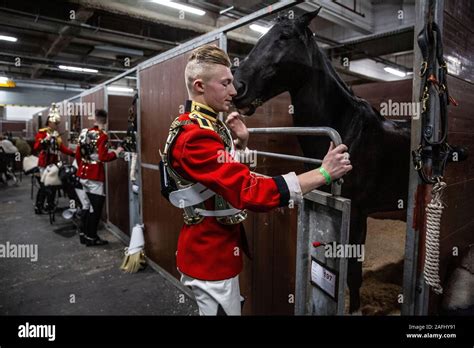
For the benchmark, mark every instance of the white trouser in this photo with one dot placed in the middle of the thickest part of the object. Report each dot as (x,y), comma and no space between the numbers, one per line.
(82,195)
(210,294)
(91,186)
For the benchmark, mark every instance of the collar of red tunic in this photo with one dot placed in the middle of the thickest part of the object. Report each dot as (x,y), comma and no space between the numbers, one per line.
(203,109)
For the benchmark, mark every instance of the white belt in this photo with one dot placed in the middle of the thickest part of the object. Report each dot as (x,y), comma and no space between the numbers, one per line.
(195,194)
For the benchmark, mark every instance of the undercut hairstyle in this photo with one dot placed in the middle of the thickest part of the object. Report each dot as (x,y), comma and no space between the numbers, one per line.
(200,64)
(101,114)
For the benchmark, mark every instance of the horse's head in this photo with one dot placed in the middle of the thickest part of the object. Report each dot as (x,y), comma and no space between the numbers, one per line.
(279,61)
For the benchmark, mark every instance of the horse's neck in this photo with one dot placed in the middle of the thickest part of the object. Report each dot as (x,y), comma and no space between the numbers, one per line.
(325,100)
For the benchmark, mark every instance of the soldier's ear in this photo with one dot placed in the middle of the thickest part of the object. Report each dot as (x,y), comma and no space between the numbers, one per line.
(198,86)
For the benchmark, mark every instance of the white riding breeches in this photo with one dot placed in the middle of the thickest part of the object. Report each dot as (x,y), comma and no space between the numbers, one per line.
(210,294)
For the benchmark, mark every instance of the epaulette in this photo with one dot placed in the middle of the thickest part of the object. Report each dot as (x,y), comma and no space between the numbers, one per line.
(202,121)
(43,130)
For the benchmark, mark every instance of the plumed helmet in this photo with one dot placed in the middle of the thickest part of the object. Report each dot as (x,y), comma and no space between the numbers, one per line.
(54,115)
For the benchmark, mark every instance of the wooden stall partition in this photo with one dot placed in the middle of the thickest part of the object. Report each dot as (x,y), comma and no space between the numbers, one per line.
(117,171)
(162,96)
(63,129)
(268,281)
(29,129)
(91,102)
(15,127)
(388,92)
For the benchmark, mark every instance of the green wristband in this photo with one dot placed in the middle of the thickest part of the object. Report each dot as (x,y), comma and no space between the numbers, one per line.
(326,175)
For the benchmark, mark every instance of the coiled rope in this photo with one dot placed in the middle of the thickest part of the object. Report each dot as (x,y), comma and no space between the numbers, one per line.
(434,211)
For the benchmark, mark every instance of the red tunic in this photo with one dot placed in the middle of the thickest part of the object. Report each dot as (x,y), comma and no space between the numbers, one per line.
(94,170)
(46,156)
(210,250)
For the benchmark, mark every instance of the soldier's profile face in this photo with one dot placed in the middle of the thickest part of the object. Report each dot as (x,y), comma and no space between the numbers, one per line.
(219,89)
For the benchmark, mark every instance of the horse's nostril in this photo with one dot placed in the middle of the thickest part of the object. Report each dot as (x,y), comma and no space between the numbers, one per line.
(241,88)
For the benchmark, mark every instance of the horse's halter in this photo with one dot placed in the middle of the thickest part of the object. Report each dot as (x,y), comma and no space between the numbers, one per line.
(433,146)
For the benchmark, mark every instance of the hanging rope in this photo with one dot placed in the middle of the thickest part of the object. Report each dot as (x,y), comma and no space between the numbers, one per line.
(434,211)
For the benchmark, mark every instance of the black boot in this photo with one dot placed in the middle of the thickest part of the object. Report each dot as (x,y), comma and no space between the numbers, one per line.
(40,198)
(95,241)
(97,202)
(51,199)
(84,215)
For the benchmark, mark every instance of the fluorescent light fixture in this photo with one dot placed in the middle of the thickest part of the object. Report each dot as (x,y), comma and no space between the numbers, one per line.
(226,10)
(3,79)
(394,71)
(76,69)
(119,89)
(259,28)
(181,7)
(8,38)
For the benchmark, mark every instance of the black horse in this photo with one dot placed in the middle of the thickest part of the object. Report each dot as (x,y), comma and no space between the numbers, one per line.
(287,58)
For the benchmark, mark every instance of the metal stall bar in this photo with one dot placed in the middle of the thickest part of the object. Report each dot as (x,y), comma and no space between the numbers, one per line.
(325,219)
(330,132)
(290,157)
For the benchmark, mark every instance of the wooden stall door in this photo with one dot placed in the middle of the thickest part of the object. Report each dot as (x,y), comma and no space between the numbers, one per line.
(117,171)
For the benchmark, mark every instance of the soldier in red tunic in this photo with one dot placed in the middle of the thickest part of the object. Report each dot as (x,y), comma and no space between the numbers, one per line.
(202,175)
(49,143)
(91,154)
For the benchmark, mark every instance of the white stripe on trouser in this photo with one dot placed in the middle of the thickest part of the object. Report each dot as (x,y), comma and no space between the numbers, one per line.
(82,195)
(209,294)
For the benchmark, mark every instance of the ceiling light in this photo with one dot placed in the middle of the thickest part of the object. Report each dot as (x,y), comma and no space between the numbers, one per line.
(394,71)
(8,38)
(181,7)
(226,10)
(76,69)
(259,28)
(119,89)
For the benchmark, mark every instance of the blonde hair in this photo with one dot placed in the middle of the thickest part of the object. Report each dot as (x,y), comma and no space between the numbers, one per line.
(201,62)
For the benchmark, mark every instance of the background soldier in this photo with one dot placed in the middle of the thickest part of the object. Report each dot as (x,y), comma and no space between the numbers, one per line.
(48,141)
(91,154)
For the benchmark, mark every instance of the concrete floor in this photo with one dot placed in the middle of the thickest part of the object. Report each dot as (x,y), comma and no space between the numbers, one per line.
(69,278)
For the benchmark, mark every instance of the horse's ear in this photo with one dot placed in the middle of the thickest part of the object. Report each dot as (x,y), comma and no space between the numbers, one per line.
(305,19)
